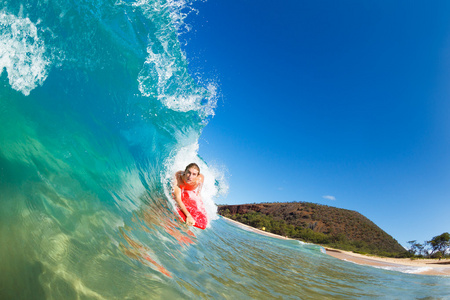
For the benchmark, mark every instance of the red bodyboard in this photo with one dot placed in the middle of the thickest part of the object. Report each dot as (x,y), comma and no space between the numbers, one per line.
(194,206)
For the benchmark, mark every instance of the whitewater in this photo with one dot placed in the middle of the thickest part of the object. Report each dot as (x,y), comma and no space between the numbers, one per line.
(98,109)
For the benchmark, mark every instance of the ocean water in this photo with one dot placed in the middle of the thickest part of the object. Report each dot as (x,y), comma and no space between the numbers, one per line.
(98,109)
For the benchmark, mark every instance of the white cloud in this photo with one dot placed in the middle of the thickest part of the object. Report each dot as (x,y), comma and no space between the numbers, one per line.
(328,197)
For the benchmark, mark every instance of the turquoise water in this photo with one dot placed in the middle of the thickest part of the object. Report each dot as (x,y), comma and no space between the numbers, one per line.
(98,110)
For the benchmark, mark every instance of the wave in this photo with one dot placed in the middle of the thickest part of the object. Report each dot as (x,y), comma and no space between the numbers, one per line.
(99,111)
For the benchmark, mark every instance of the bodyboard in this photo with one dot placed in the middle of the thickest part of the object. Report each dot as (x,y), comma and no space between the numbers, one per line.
(199,215)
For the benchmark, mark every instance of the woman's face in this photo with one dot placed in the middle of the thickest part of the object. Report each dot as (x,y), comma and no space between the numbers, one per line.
(191,175)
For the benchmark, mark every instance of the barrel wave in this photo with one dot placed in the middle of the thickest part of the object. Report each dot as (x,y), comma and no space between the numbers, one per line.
(98,110)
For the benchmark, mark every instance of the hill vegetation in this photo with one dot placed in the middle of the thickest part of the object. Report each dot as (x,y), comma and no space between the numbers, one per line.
(319,224)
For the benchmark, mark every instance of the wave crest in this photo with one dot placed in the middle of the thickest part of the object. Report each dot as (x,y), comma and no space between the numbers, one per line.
(22,53)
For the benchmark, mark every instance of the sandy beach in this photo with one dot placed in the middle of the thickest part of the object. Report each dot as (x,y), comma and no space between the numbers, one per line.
(416,266)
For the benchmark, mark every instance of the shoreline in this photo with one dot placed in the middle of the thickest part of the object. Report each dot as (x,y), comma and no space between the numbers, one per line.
(405,265)
(256,230)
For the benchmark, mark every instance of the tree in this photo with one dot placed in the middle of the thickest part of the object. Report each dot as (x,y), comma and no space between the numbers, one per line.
(412,247)
(440,243)
(415,248)
(420,249)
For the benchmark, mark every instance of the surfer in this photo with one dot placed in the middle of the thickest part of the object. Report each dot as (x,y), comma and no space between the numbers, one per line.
(187,187)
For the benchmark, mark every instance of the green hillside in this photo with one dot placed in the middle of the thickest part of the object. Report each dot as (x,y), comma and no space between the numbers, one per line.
(320,224)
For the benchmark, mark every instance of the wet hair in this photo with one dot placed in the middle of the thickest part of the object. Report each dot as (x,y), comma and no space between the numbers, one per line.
(192,165)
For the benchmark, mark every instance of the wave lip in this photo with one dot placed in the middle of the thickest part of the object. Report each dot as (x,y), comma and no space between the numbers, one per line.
(22,53)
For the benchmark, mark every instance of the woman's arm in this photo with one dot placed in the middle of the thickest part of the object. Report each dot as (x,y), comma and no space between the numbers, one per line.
(201,178)
(177,192)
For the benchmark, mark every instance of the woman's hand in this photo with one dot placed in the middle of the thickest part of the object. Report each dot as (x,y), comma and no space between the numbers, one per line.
(190,220)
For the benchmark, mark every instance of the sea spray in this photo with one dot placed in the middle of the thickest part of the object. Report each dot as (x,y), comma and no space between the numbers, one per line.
(22,53)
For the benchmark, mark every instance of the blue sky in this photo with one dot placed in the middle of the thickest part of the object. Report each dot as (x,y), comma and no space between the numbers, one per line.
(347,99)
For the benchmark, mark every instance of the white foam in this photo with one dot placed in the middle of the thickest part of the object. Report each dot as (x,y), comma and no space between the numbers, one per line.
(22,53)
(404,269)
(163,77)
(164,74)
(178,10)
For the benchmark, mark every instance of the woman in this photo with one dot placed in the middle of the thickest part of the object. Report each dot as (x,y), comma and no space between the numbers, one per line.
(187,187)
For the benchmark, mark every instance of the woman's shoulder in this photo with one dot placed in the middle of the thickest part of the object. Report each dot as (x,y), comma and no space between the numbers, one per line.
(179,177)
(201,178)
